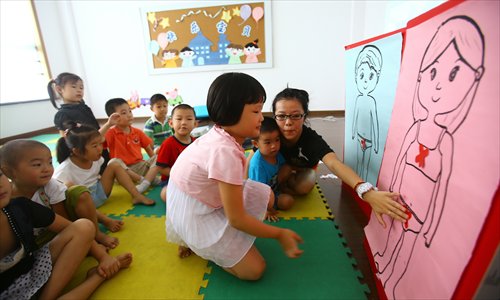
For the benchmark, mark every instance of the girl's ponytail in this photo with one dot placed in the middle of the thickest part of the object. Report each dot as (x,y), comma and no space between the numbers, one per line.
(75,137)
(52,93)
(62,150)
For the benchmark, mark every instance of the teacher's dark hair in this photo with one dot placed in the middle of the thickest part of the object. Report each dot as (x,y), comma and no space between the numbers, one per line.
(291,94)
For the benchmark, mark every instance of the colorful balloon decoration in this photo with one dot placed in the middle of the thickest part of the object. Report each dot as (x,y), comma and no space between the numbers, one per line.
(154,47)
(162,40)
(245,12)
(257,13)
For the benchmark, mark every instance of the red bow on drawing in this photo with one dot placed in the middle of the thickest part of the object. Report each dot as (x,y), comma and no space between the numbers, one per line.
(423,152)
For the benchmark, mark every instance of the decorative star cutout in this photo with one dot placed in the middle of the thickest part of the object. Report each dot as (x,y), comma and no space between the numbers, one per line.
(236,12)
(151,17)
(164,23)
(226,16)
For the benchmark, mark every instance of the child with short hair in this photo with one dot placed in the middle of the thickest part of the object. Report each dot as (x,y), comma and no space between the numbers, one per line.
(28,271)
(28,164)
(267,160)
(126,142)
(158,127)
(183,121)
(211,209)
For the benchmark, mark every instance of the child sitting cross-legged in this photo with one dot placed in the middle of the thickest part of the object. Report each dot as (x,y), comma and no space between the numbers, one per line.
(125,144)
(28,272)
(183,121)
(28,164)
(265,164)
(79,153)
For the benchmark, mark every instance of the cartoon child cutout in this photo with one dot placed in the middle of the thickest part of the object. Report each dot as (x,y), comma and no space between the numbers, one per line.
(234,52)
(365,127)
(449,75)
(169,57)
(251,51)
(187,55)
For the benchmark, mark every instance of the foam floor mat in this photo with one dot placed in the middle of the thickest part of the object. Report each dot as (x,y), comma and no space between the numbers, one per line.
(156,271)
(324,271)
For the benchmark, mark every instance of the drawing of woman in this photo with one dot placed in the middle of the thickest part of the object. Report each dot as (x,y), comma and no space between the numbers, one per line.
(449,75)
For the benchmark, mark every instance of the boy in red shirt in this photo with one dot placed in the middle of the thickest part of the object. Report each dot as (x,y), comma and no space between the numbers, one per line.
(182,121)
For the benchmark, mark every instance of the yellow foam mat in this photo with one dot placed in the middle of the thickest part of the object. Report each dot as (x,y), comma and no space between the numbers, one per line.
(118,203)
(311,206)
(156,271)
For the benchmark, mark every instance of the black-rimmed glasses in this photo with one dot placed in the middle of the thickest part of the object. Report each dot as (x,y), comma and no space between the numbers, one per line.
(283,117)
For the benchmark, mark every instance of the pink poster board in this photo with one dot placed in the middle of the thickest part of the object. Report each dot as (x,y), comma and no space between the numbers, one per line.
(442,151)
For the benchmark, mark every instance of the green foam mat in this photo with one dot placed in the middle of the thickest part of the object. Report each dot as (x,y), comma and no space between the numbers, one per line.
(156,210)
(324,271)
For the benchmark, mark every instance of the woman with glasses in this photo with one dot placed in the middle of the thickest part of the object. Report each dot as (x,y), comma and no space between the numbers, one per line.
(303,148)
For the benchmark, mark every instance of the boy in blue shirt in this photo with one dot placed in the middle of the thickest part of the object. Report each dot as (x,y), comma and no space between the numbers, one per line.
(267,161)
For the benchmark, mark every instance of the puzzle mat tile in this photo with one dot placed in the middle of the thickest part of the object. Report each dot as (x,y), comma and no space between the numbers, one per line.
(156,271)
(324,271)
(310,206)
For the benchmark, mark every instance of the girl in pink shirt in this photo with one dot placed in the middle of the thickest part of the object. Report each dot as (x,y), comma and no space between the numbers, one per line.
(211,209)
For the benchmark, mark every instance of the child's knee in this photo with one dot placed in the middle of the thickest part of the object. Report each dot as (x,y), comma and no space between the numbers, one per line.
(163,194)
(83,228)
(117,162)
(285,201)
(256,272)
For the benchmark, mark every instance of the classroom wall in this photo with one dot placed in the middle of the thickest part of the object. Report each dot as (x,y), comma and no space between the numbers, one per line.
(104,43)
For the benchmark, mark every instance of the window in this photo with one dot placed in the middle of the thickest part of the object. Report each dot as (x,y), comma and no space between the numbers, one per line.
(23,69)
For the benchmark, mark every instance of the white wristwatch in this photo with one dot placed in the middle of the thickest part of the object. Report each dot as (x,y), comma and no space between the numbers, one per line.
(363,188)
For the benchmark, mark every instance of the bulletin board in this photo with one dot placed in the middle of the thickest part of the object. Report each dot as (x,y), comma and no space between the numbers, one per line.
(202,38)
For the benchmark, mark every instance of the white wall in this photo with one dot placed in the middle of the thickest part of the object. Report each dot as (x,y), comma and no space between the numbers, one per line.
(103,42)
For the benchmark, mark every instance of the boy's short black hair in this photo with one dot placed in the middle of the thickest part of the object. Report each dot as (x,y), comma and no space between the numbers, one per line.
(228,95)
(13,152)
(157,98)
(183,106)
(112,104)
(269,125)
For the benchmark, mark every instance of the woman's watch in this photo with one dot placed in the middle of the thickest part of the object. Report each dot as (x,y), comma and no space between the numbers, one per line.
(363,188)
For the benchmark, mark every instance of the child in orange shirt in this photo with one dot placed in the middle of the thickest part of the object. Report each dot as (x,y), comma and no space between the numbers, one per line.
(125,145)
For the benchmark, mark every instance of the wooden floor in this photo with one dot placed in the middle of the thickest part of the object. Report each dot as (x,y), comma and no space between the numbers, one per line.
(347,214)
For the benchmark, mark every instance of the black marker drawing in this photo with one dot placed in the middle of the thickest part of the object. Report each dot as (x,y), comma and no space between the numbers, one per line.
(365,127)
(450,71)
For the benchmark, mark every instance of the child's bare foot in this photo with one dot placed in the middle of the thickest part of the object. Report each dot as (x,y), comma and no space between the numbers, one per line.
(184,252)
(106,240)
(125,260)
(112,224)
(141,199)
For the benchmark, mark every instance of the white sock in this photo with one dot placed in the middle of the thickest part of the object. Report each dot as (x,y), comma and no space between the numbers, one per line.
(143,186)
(157,180)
